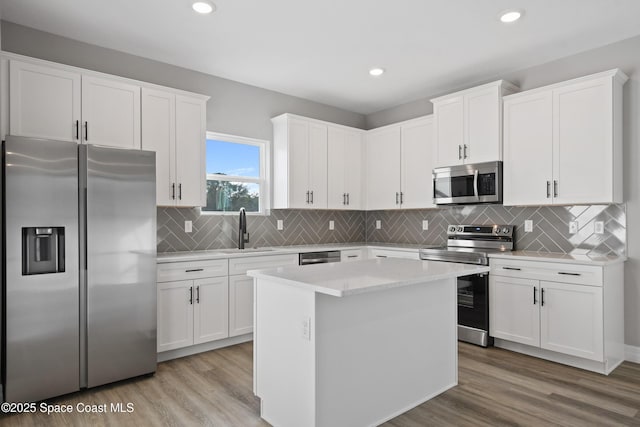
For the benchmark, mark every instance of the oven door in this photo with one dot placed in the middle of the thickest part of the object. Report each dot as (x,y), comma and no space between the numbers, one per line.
(473,301)
(473,183)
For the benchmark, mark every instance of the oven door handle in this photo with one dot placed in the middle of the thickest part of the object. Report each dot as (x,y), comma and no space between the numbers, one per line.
(475,184)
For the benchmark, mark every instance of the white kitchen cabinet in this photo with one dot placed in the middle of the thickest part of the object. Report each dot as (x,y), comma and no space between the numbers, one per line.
(344,168)
(399,165)
(192,303)
(349,255)
(210,309)
(392,253)
(300,163)
(44,102)
(568,313)
(174,126)
(563,143)
(240,305)
(110,112)
(468,124)
(175,315)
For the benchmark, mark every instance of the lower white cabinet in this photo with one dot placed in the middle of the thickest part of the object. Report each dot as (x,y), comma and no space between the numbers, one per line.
(175,315)
(392,253)
(240,305)
(348,255)
(568,313)
(210,309)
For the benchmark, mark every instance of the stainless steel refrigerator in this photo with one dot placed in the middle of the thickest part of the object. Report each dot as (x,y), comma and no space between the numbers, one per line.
(79,267)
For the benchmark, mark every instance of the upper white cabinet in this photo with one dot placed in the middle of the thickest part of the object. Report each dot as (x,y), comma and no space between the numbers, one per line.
(563,143)
(399,164)
(44,102)
(174,127)
(344,165)
(468,124)
(110,112)
(299,163)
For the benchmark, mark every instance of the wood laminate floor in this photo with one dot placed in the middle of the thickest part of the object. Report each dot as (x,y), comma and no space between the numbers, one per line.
(496,388)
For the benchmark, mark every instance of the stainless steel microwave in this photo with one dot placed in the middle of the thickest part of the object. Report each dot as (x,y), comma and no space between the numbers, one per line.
(468,184)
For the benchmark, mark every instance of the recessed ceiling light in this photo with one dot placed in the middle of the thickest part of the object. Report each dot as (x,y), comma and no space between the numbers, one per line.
(203,7)
(509,16)
(376,72)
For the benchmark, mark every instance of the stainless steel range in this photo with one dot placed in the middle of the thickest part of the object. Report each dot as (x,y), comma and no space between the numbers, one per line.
(472,244)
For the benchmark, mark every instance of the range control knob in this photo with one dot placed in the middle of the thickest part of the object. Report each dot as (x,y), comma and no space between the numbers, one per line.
(505,230)
(452,229)
(459,229)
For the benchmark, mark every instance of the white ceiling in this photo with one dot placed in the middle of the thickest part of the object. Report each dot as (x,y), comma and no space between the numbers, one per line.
(322,49)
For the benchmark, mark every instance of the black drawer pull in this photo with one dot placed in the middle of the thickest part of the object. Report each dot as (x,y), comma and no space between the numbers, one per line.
(381,256)
(569,274)
(512,268)
(193,270)
(352,256)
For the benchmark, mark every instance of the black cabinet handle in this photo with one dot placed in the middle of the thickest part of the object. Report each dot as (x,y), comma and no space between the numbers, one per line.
(535,294)
(77,129)
(512,268)
(397,194)
(569,274)
(307,197)
(401,197)
(180,191)
(173,191)
(348,198)
(542,297)
(198,294)
(311,196)
(381,256)
(191,295)
(352,256)
(86,131)
(194,269)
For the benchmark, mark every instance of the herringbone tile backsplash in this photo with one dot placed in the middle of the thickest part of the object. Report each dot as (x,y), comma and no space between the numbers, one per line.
(550,227)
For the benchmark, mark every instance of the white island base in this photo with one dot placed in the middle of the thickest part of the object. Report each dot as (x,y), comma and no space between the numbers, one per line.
(354,344)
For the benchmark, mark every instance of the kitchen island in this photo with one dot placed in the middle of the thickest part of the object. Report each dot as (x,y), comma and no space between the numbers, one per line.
(354,344)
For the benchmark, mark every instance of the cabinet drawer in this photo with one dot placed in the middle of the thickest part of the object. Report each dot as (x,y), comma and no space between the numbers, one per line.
(351,255)
(242,265)
(390,253)
(192,270)
(550,271)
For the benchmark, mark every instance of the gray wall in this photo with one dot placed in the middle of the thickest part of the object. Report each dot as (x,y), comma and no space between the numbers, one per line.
(234,108)
(624,55)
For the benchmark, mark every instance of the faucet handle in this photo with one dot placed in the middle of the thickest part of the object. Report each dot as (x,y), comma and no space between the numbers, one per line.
(245,237)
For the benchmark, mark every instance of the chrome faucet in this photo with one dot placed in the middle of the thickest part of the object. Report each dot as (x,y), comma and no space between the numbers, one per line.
(243,236)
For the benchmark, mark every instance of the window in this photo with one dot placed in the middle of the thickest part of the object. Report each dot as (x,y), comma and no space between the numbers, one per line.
(236,174)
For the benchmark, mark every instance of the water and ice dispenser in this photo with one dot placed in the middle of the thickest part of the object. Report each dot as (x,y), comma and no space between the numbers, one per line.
(42,250)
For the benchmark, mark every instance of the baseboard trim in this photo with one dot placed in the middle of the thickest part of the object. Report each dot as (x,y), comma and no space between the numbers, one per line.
(632,353)
(199,348)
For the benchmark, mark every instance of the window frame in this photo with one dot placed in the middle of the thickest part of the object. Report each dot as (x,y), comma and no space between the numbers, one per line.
(264,202)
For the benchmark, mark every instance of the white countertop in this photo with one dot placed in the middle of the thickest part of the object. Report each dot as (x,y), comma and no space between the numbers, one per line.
(343,279)
(600,260)
(273,250)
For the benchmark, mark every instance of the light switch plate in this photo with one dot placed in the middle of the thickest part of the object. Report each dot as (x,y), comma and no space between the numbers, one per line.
(425,224)
(573,227)
(332,225)
(188,226)
(280,224)
(528,226)
(598,227)
(378,224)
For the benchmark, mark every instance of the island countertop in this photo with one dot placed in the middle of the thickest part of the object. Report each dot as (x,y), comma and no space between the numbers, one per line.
(350,278)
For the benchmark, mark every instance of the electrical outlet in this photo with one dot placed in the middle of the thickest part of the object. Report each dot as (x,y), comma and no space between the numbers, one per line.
(573,227)
(528,226)
(598,227)
(332,225)
(306,329)
(280,224)
(425,224)
(188,226)
(378,224)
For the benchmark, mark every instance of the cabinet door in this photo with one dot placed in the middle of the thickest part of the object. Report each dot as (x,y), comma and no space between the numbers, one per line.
(190,151)
(417,165)
(528,150)
(483,114)
(298,146)
(514,312)
(317,165)
(382,149)
(211,309)
(44,102)
(110,112)
(159,135)
(240,305)
(449,131)
(175,315)
(344,169)
(571,320)
(583,144)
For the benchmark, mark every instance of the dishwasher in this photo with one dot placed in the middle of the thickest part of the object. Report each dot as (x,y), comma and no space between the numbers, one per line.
(322,257)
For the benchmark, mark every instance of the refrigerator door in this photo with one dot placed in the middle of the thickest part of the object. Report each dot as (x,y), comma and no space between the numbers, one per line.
(41,269)
(120,263)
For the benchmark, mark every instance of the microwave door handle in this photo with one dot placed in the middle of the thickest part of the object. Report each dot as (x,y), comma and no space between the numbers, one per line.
(475,184)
